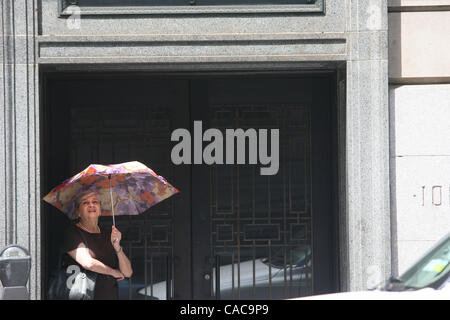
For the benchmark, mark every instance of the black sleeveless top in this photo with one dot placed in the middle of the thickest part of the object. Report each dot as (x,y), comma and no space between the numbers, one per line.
(101,249)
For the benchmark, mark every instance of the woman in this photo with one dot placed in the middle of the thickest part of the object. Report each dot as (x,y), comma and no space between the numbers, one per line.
(105,255)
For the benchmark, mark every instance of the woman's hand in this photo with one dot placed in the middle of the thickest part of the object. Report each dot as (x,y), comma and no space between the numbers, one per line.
(117,275)
(116,236)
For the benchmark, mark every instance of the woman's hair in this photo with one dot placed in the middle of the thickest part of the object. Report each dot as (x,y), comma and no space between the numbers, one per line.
(80,197)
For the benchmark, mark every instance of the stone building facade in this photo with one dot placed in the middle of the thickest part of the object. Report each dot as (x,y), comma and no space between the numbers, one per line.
(418,99)
(384,85)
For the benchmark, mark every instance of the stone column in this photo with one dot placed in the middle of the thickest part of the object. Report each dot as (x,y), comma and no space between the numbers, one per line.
(19,127)
(367,147)
(419,91)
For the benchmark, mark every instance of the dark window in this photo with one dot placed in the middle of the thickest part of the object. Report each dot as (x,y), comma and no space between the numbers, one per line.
(112,7)
(140,3)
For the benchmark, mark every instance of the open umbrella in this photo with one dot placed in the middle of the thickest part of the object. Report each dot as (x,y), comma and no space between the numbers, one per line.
(124,189)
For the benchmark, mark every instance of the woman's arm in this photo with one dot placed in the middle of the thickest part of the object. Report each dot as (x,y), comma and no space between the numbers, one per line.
(124,262)
(83,257)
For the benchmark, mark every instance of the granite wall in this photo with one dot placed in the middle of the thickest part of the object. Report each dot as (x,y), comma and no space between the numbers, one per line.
(349,37)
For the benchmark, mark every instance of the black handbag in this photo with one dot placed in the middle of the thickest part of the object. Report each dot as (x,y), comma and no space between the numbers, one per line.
(72,282)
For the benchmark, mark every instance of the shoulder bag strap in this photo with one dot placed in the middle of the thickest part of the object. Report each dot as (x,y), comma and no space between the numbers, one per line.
(84,238)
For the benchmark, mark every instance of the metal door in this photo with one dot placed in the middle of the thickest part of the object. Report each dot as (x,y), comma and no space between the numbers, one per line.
(265,236)
(231,233)
(111,120)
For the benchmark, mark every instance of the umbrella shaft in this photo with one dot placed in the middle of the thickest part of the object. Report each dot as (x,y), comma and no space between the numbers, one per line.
(112,205)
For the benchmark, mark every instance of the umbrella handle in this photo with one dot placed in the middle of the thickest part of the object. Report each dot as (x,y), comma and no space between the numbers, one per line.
(112,206)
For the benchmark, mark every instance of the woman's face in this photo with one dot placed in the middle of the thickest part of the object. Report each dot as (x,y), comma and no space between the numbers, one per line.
(89,207)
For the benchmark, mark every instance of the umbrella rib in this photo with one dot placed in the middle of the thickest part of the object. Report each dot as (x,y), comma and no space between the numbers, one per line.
(136,209)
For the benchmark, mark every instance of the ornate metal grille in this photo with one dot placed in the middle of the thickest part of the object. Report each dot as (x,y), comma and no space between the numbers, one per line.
(261,226)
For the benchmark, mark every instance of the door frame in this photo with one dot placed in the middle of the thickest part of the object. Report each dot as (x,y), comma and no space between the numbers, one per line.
(337,107)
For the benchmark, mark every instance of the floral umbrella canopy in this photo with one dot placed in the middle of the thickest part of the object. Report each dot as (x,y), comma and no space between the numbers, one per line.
(124,189)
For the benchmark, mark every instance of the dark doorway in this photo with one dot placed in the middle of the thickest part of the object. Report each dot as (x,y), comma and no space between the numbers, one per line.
(231,233)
